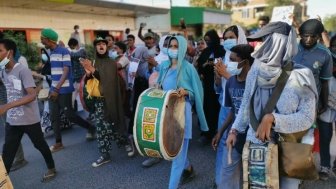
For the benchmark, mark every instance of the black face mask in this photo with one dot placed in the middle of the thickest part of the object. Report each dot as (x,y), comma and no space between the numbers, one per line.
(210,44)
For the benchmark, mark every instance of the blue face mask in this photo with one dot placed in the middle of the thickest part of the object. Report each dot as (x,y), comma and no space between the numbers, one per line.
(164,50)
(44,58)
(4,62)
(173,53)
(229,43)
(232,68)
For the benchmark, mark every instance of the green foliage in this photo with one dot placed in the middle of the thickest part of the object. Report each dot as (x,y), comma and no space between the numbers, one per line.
(90,52)
(29,50)
(204,3)
(329,23)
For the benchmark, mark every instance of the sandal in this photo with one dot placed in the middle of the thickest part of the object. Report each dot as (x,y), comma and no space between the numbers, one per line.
(49,175)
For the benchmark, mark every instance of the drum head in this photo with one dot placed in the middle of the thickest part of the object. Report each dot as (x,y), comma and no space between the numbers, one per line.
(173,125)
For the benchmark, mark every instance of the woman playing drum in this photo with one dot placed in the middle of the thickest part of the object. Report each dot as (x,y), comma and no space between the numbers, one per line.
(177,73)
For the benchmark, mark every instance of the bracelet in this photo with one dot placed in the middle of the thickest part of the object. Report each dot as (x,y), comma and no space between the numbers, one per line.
(233,131)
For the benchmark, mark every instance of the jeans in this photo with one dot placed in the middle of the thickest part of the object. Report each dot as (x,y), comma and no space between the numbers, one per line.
(221,119)
(326,132)
(64,102)
(231,175)
(13,136)
(180,163)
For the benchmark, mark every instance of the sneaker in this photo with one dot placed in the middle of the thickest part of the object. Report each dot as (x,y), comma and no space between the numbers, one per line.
(101,161)
(324,173)
(150,162)
(90,135)
(128,148)
(56,147)
(187,175)
(51,174)
(131,153)
(18,165)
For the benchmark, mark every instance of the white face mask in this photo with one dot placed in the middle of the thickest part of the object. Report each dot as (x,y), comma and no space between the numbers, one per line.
(4,62)
(114,54)
(232,68)
(44,58)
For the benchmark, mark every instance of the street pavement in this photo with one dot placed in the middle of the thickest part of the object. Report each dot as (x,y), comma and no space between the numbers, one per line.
(74,167)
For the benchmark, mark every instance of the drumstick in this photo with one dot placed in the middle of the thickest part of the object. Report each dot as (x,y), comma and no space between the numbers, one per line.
(230,155)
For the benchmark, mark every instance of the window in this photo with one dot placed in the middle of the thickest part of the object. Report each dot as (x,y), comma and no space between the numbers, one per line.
(245,13)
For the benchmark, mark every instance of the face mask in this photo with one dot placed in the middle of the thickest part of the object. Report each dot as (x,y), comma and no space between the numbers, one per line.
(114,55)
(164,50)
(172,53)
(229,43)
(4,61)
(232,68)
(44,58)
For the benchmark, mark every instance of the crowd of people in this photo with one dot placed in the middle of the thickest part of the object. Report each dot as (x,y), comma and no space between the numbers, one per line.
(228,81)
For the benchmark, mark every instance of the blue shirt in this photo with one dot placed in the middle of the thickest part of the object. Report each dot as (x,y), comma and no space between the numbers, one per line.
(234,92)
(60,57)
(169,83)
(318,60)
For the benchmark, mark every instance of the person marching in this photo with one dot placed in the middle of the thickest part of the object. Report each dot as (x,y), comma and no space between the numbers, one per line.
(295,108)
(23,114)
(177,73)
(109,114)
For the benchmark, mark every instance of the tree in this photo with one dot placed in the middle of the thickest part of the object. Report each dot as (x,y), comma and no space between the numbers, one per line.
(204,3)
(29,50)
(329,23)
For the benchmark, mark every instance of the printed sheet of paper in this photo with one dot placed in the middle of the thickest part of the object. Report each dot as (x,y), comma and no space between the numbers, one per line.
(283,14)
(132,69)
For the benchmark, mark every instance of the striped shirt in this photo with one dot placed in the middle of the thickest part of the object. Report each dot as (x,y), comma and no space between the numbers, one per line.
(60,57)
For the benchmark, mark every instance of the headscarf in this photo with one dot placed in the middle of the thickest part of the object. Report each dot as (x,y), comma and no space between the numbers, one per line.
(188,79)
(216,48)
(272,55)
(162,56)
(241,39)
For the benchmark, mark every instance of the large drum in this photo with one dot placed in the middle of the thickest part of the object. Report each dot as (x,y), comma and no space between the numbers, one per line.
(159,123)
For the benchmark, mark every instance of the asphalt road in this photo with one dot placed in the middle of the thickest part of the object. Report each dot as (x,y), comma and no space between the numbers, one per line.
(74,167)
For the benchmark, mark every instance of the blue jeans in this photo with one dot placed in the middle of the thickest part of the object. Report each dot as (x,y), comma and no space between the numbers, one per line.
(224,111)
(180,163)
(231,175)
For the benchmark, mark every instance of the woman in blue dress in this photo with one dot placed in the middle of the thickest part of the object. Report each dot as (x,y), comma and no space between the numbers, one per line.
(177,73)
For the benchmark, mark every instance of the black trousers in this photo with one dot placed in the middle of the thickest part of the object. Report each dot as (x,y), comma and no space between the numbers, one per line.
(13,136)
(64,102)
(140,84)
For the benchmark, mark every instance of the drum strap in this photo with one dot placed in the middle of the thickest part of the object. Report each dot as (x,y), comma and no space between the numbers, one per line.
(164,77)
(273,99)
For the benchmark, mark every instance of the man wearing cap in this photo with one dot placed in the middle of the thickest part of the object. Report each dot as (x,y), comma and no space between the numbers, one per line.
(317,58)
(60,95)
(294,110)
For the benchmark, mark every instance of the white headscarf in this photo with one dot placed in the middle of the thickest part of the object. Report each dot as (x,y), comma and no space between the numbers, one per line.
(162,56)
(240,40)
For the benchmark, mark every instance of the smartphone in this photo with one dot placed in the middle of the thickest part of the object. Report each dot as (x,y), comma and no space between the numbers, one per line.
(81,59)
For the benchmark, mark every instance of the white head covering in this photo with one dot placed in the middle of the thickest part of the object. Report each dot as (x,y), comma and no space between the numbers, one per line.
(162,56)
(240,40)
